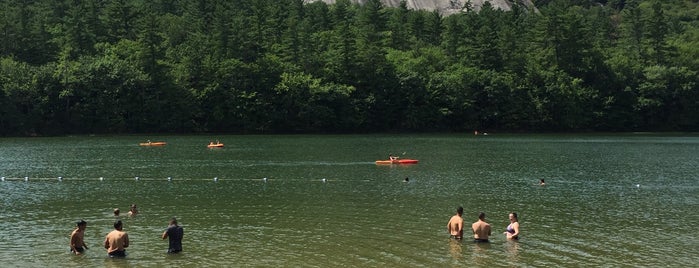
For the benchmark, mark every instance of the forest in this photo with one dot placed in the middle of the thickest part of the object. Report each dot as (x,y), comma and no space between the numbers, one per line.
(73,67)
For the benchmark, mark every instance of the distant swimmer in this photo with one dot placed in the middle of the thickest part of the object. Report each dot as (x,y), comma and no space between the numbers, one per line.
(406,179)
(133,210)
(512,231)
(116,212)
(481,229)
(455,226)
(542,182)
(77,241)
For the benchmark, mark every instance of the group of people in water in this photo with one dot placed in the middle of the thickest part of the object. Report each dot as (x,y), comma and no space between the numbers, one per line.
(117,240)
(481,229)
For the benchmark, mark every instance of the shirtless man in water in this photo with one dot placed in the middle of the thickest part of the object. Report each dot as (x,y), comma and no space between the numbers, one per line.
(456,225)
(116,241)
(77,242)
(481,229)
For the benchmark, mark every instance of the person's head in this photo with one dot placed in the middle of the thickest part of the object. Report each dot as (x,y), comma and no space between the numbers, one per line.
(481,216)
(173,221)
(133,207)
(513,217)
(81,224)
(118,225)
(460,210)
(116,212)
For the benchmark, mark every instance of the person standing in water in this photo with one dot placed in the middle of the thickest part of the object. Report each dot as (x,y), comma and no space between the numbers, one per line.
(77,238)
(512,231)
(116,241)
(175,233)
(133,210)
(481,229)
(455,226)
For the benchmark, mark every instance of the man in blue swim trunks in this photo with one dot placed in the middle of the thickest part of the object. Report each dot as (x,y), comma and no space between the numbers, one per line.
(116,241)
(77,241)
(175,233)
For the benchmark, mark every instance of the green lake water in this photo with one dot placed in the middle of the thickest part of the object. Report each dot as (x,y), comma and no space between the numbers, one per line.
(610,200)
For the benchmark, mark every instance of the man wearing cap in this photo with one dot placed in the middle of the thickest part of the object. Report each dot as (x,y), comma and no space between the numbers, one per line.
(77,242)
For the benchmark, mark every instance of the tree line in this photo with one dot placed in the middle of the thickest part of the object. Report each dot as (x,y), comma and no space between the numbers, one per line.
(285,66)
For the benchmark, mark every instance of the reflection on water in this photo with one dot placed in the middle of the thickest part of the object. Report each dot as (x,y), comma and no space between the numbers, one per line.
(512,250)
(455,250)
(609,200)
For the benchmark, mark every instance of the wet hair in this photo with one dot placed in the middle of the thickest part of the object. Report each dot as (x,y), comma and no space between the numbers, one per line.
(173,220)
(80,222)
(117,224)
(460,210)
(116,211)
(481,215)
(514,214)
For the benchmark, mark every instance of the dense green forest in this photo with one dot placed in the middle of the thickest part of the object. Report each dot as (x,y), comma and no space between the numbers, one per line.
(282,66)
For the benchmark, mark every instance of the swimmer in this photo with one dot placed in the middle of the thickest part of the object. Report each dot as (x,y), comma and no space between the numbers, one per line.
(133,210)
(481,229)
(541,182)
(116,241)
(455,226)
(77,242)
(512,231)
(175,233)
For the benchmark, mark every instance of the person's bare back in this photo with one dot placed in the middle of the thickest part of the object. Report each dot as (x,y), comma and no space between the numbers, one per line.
(456,225)
(481,229)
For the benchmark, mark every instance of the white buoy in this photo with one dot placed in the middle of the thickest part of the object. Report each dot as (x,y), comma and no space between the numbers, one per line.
(2,179)
(324,180)
(60,178)
(101,178)
(264,179)
(638,186)
(137,178)
(169,179)
(26,178)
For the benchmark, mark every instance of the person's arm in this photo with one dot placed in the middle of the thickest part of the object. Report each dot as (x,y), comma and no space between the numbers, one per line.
(73,239)
(106,242)
(516,228)
(126,240)
(165,234)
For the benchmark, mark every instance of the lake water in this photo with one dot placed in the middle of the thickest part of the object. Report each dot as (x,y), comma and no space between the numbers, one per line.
(610,200)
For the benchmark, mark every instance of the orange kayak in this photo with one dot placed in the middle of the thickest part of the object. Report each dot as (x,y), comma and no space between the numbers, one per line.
(215,145)
(396,162)
(154,143)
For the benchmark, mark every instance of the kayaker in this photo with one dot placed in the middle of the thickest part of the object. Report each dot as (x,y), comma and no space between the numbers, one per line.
(392,158)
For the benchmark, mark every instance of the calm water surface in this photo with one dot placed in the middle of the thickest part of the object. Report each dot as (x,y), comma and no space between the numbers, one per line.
(611,200)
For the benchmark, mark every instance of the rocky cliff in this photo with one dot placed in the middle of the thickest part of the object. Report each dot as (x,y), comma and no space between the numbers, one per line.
(445,7)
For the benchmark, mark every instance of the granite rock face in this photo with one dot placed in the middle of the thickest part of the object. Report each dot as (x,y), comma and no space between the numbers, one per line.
(445,7)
